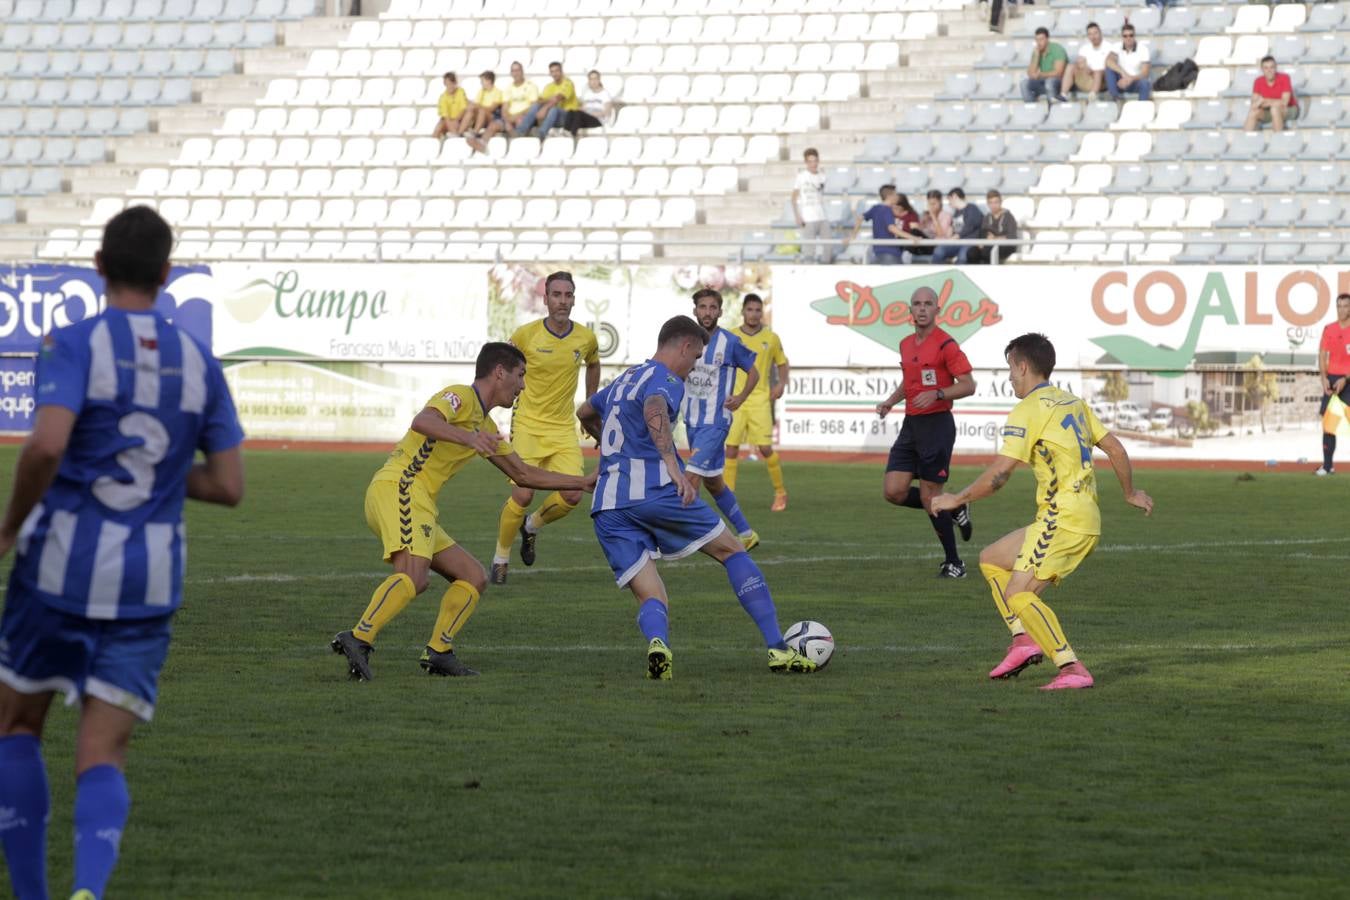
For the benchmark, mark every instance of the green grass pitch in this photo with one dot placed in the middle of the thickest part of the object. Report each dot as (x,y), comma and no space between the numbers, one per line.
(1211,760)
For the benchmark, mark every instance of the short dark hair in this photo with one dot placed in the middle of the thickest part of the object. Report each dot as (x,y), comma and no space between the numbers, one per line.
(1042,31)
(884,190)
(595,72)
(707,292)
(957,192)
(810,152)
(135,249)
(1035,350)
(681,327)
(489,75)
(517,62)
(993,192)
(935,195)
(1267,58)
(552,64)
(1340,297)
(494,354)
(559,276)
(1093,25)
(752,298)
(451,75)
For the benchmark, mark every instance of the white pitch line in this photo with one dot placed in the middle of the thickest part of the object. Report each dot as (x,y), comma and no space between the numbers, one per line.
(1188,548)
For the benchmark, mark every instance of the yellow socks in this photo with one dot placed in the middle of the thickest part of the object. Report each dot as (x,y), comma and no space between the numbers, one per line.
(512,515)
(457,605)
(775,472)
(553,509)
(729,471)
(389,599)
(998,586)
(1040,622)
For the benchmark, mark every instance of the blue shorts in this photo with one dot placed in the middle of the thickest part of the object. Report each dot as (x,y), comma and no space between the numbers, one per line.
(117,661)
(656,529)
(707,449)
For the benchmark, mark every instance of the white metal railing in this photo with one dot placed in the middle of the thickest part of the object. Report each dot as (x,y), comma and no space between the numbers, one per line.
(657,249)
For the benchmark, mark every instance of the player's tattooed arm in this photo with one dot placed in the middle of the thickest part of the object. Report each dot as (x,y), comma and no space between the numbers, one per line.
(658,424)
(999,480)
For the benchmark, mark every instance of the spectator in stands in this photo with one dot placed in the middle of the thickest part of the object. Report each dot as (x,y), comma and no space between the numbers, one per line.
(486,111)
(1127,67)
(884,228)
(907,221)
(1273,99)
(597,105)
(966,222)
(808,206)
(1087,73)
(453,108)
(1046,72)
(558,98)
(935,223)
(518,99)
(999,224)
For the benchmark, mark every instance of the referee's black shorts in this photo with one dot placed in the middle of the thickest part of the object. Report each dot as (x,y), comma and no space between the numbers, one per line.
(924,447)
(1344,394)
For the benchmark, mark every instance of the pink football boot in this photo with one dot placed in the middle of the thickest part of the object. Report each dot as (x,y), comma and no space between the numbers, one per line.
(1074,676)
(1021,654)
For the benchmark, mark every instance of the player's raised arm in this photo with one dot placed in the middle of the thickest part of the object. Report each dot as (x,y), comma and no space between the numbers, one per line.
(663,437)
(1120,464)
(36,469)
(431,422)
(991,480)
(526,475)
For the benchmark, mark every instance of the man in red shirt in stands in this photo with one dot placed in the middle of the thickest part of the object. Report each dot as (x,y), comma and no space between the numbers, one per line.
(1333,361)
(1273,98)
(936,372)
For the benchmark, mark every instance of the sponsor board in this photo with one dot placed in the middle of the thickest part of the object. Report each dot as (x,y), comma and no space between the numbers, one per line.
(1156,320)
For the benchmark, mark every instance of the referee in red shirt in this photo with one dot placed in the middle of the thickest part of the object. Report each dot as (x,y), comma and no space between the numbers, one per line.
(936,372)
(1333,361)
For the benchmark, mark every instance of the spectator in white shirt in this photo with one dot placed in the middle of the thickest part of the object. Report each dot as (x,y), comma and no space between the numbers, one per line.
(808,205)
(1087,72)
(1127,67)
(596,106)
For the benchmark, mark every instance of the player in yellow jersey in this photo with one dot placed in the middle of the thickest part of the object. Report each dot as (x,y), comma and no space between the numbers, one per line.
(452,429)
(543,426)
(1054,432)
(753,422)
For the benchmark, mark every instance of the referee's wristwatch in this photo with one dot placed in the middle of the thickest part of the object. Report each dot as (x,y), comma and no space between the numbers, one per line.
(941,395)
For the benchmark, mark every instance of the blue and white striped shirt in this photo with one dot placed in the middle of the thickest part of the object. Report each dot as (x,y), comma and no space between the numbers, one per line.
(107,539)
(714,378)
(631,468)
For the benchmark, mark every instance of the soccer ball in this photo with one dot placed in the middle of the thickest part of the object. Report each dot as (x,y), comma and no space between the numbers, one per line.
(812,640)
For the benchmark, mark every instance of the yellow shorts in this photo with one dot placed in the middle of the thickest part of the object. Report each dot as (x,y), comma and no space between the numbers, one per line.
(752,424)
(404,520)
(551,451)
(1051,553)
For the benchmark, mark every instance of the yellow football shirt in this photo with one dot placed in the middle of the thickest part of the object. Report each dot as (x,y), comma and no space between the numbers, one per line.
(1055,432)
(427,463)
(490,99)
(768,350)
(569,101)
(520,97)
(548,402)
(452,106)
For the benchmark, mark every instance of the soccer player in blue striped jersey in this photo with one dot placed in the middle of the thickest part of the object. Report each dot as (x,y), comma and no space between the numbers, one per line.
(646,507)
(124,402)
(709,401)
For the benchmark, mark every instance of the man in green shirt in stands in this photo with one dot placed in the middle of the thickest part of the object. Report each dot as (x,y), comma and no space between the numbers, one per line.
(1046,70)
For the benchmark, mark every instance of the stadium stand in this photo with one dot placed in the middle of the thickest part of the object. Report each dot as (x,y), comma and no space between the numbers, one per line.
(262,135)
